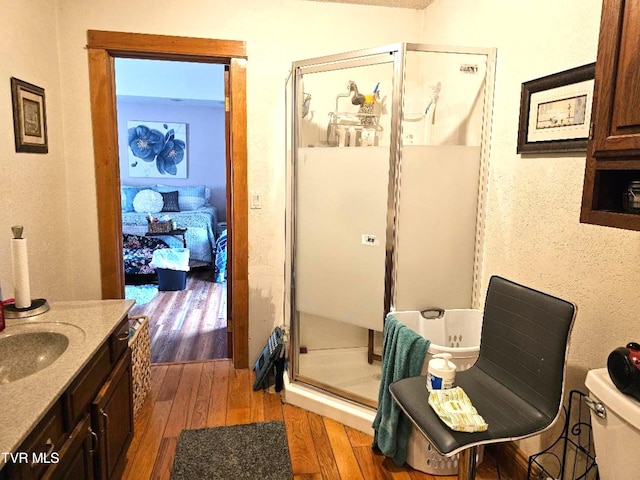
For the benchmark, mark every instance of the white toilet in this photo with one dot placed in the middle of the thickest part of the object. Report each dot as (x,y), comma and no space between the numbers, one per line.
(616,436)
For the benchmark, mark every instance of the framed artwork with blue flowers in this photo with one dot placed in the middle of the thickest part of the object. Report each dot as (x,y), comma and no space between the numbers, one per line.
(157,149)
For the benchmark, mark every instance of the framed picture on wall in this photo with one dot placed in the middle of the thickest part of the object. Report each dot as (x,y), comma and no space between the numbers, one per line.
(29,117)
(555,112)
(157,149)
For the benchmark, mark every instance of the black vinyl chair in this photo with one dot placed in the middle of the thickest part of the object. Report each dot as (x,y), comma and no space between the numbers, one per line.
(516,384)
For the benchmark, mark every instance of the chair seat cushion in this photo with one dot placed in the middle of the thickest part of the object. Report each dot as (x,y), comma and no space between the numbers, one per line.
(509,417)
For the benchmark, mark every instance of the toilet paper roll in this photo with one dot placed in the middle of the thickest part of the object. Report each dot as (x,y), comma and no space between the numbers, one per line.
(19,255)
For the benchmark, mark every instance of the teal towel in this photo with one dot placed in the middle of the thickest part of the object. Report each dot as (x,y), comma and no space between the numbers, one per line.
(403,353)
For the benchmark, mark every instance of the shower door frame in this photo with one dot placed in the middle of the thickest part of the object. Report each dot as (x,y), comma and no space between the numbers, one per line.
(363,58)
(359,58)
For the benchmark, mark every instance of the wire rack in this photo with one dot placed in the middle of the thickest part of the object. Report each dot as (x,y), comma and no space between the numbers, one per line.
(572,455)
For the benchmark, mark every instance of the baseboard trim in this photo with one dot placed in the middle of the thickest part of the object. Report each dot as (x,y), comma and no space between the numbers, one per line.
(512,461)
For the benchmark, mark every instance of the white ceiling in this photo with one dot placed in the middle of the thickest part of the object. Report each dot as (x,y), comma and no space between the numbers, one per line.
(415,4)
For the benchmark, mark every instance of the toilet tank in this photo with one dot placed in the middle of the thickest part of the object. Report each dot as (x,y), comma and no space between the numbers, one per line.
(616,437)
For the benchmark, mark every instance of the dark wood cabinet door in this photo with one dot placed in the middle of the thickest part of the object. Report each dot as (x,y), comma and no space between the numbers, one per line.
(112,417)
(76,458)
(616,130)
(37,454)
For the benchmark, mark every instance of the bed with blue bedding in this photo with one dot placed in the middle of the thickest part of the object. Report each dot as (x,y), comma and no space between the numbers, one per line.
(186,206)
(201,234)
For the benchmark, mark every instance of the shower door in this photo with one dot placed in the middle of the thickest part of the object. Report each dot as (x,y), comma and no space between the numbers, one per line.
(446,112)
(385,201)
(342,196)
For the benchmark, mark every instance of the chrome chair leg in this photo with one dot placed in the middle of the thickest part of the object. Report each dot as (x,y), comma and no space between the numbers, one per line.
(467,463)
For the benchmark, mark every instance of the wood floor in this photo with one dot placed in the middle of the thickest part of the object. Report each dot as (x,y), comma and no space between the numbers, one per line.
(207,394)
(190,324)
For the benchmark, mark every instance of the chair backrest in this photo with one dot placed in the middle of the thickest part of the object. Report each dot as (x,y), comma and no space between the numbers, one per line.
(524,342)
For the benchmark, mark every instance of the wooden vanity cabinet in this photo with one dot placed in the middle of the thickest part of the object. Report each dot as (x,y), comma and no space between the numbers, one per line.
(613,152)
(112,417)
(89,428)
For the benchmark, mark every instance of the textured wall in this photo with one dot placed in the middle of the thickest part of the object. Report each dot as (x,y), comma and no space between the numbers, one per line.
(533,234)
(33,189)
(276,34)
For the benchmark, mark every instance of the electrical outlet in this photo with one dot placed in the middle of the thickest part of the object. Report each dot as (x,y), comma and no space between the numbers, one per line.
(368,239)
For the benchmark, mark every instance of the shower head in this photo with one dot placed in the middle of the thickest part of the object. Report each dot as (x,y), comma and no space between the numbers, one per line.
(358,98)
(436,91)
(305,104)
(434,97)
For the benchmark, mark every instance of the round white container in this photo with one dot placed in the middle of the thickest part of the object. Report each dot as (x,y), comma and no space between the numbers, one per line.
(441,372)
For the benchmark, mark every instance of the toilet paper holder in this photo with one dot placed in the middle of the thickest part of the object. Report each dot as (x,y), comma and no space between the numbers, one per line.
(36,306)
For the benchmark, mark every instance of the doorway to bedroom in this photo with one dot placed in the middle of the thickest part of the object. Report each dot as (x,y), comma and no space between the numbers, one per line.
(103,47)
(173,182)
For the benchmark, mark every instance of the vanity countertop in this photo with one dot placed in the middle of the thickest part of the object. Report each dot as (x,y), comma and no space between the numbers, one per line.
(24,402)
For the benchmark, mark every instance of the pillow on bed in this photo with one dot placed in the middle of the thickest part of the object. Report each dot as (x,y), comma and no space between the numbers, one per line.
(127,194)
(189,198)
(170,201)
(148,201)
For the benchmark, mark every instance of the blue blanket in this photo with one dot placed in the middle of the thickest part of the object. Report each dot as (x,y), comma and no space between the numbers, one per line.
(202,230)
(403,353)
(221,258)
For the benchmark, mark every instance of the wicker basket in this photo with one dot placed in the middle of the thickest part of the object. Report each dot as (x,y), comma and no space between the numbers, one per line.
(140,345)
(159,227)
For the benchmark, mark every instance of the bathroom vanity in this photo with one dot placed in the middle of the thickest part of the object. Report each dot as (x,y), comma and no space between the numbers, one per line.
(72,418)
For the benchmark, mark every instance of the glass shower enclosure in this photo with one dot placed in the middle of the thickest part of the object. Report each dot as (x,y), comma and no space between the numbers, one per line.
(385,187)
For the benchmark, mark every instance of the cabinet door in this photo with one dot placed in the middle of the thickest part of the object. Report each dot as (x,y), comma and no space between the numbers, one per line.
(112,417)
(617,89)
(39,448)
(75,461)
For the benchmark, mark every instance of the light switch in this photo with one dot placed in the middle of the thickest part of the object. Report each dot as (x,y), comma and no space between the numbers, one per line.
(256,200)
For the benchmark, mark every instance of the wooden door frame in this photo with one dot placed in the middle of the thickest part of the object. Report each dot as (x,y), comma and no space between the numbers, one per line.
(103,47)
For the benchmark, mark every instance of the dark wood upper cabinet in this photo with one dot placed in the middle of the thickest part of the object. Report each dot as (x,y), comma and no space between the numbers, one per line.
(613,151)
(617,120)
